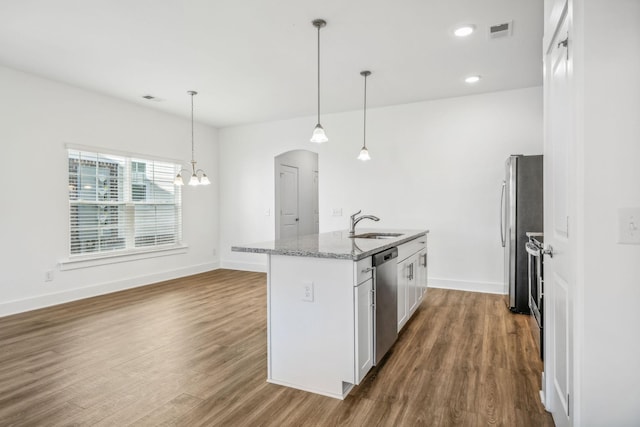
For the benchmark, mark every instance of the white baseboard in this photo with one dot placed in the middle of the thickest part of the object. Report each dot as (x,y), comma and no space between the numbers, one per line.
(41,301)
(462,285)
(244,266)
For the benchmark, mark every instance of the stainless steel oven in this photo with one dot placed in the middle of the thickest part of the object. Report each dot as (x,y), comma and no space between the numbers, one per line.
(536,283)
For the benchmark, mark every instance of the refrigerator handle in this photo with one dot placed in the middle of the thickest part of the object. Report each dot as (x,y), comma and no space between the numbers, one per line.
(502,213)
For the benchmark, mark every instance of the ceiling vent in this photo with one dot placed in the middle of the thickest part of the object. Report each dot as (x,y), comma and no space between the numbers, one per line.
(151,98)
(501,30)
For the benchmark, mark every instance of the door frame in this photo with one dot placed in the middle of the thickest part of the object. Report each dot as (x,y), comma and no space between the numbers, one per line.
(308,172)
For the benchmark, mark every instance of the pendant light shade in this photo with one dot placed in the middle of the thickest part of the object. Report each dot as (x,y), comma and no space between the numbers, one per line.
(319,135)
(364,153)
(198,177)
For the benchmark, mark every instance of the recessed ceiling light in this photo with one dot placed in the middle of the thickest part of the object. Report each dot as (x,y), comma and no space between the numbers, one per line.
(464,30)
(472,79)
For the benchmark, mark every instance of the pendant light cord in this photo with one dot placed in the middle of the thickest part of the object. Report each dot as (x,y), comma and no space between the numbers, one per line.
(364,141)
(193,156)
(318,74)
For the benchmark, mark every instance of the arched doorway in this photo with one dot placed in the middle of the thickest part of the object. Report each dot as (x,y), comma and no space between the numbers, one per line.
(296,194)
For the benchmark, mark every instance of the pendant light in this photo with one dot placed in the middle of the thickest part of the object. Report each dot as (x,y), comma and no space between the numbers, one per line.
(318,132)
(364,153)
(198,177)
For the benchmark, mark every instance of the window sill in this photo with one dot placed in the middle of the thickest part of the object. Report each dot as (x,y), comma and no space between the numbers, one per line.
(93,261)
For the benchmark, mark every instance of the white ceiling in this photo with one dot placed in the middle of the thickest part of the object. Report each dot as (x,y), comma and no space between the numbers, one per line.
(255,60)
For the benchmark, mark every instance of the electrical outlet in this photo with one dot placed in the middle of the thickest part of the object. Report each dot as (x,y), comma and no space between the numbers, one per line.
(267,212)
(48,275)
(307,288)
(214,252)
(336,212)
(629,226)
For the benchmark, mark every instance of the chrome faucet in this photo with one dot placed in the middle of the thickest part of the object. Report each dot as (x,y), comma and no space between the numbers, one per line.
(354,221)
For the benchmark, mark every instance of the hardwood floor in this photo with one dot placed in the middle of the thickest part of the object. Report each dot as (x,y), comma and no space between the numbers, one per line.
(192,352)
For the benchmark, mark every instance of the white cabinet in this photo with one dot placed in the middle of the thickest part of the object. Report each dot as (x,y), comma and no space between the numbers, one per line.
(421,282)
(320,323)
(412,278)
(403,275)
(364,329)
(412,288)
(407,295)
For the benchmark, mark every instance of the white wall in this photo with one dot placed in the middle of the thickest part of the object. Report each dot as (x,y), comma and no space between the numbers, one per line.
(608,335)
(37,117)
(435,165)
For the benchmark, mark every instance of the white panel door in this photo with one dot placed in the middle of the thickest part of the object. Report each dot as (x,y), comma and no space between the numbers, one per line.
(289,219)
(559,228)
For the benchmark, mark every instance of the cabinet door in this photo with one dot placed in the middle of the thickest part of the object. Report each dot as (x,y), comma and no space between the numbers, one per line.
(422,274)
(403,280)
(364,329)
(412,281)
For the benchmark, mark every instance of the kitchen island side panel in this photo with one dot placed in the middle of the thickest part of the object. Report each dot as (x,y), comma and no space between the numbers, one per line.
(311,343)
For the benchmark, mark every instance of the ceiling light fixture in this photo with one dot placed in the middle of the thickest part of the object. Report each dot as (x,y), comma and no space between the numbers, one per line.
(464,30)
(318,132)
(198,177)
(364,153)
(472,79)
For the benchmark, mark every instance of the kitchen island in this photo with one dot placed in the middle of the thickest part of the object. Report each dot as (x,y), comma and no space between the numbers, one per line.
(321,302)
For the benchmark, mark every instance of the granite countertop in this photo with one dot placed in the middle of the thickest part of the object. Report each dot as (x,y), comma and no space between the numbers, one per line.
(335,244)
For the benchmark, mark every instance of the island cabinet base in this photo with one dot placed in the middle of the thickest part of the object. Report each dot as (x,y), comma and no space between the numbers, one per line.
(312,316)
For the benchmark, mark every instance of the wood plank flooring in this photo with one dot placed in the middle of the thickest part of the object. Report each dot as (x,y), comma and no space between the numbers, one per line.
(192,352)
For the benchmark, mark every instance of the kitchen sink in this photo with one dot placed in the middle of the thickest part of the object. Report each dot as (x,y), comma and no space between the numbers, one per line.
(376,235)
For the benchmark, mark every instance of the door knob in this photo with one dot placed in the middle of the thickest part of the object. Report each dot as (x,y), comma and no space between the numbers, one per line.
(548,251)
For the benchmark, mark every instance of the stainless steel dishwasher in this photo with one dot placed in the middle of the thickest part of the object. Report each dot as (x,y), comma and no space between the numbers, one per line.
(385,316)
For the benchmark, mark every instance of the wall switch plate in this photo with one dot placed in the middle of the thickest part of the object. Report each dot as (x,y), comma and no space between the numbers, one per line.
(267,212)
(629,226)
(307,288)
(48,275)
(336,212)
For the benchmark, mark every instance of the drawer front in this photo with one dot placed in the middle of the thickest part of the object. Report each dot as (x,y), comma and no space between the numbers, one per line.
(363,270)
(407,249)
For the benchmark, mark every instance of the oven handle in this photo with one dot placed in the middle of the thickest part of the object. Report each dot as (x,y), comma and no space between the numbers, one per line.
(532,249)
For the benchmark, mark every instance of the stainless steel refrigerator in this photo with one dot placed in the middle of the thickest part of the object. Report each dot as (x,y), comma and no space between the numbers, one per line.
(521,212)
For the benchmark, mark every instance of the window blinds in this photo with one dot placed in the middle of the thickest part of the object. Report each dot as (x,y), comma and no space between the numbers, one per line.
(119,203)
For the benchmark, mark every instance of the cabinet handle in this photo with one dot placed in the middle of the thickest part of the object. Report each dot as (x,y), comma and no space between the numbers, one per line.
(424,256)
(367,270)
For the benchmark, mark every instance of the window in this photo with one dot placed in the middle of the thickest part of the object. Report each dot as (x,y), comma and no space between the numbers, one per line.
(119,204)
